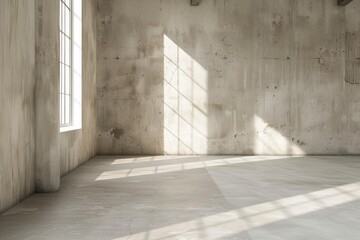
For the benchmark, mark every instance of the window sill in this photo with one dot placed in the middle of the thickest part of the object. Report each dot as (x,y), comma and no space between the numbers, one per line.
(68,129)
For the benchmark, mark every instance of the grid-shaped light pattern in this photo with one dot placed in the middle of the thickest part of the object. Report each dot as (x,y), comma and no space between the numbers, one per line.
(65,62)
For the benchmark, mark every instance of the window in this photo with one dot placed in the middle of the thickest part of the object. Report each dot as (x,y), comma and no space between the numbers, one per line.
(70,27)
(65,62)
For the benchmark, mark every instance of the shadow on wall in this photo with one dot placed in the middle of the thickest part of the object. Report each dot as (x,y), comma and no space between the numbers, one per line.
(201,117)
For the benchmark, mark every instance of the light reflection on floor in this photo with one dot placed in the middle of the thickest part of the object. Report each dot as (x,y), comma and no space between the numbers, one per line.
(197,197)
(116,174)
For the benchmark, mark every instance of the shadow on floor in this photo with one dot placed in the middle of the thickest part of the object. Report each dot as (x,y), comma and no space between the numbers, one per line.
(196,197)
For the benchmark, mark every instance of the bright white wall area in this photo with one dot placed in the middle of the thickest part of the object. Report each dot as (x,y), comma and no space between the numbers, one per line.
(185,102)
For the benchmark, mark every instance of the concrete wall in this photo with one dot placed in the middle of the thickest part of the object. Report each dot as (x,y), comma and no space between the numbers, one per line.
(352,44)
(17,111)
(29,87)
(59,153)
(47,164)
(227,77)
(76,147)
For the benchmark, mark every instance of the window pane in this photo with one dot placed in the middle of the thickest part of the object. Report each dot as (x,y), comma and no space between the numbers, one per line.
(67,22)
(61,78)
(68,26)
(67,51)
(62,39)
(67,107)
(66,66)
(60,112)
(64,19)
(67,2)
(63,83)
(67,81)
(63,109)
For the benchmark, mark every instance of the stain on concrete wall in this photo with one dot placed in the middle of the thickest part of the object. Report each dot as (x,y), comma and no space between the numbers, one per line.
(17,110)
(352,40)
(275,77)
(76,147)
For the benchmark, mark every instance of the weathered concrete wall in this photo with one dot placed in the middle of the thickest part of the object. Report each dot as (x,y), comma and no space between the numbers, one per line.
(17,112)
(226,77)
(47,167)
(76,147)
(33,153)
(352,43)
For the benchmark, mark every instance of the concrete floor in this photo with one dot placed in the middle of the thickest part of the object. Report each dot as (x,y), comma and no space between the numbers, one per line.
(212,197)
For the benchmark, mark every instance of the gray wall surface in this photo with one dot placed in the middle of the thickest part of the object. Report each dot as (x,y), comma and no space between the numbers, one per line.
(228,77)
(47,163)
(17,111)
(76,147)
(29,99)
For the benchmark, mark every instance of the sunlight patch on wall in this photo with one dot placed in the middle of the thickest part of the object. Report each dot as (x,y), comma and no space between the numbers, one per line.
(270,141)
(185,102)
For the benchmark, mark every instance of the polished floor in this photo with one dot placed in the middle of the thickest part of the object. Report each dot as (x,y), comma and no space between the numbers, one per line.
(196,197)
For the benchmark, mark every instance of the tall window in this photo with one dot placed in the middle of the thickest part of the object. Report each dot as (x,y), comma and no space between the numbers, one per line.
(65,62)
(70,27)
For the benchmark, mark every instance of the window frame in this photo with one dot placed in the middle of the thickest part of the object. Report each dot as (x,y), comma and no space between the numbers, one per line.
(64,112)
(73,118)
